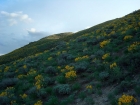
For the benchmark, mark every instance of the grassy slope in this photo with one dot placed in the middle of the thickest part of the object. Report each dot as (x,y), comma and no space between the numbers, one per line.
(102,56)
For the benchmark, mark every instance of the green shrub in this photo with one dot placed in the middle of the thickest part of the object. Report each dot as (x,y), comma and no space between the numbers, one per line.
(61,79)
(103,75)
(9,75)
(137,90)
(76,86)
(50,70)
(115,74)
(89,100)
(99,53)
(82,95)
(82,39)
(112,99)
(32,90)
(4,100)
(81,67)
(125,86)
(61,62)
(6,82)
(49,90)
(42,93)
(48,81)
(52,101)
(62,89)
(64,102)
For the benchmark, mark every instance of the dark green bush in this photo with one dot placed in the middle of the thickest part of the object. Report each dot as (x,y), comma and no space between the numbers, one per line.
(6,82)
(137,90)
(4,100)
(82,95)
(61,79)
(50,70)
(9,74)
(76,86)
(52,101)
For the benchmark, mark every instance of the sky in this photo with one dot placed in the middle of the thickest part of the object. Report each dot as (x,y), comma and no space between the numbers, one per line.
(25,21)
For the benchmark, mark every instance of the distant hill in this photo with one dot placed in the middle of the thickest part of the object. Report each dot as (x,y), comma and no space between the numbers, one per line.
(96,66)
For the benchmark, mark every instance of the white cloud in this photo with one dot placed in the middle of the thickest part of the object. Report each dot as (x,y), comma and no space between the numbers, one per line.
(32,30)
(25,18)
(15,17)
(36,34)
(4,13)
(12,22)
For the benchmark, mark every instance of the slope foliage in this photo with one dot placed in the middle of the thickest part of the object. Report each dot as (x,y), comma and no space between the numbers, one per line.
(76,67)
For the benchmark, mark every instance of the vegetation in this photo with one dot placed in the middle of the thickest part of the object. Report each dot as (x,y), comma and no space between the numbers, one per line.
(75,68)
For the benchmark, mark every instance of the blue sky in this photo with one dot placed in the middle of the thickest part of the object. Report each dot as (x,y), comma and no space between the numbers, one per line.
(24,21)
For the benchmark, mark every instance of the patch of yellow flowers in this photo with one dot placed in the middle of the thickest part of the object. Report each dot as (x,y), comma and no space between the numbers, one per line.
(71,74)
(81,58)
(105,55)
(6,69)
(38,79)
(23,96)
(103,43)
(126,100)
(39,103)
(3,94)
(127,37)
(113,65)
(67,67)
(24,66)
(89,87)
(31,72)
(21,76)
(133,46)
(13,102)
(50,58)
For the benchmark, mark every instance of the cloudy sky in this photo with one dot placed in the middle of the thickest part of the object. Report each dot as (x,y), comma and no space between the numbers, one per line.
(24,21)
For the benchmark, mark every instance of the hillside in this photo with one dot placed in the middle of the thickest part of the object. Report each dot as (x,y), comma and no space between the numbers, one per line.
(96,66)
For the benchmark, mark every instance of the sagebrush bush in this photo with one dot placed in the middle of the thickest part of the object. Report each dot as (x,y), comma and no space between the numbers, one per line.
(50,70)
(48,81)
(62,89)
(42,93)
(8,82)
(9,74)
(32,90)
(103,75)
(99,52)
(81,67)
(61,61)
